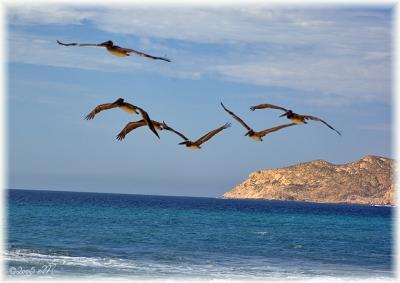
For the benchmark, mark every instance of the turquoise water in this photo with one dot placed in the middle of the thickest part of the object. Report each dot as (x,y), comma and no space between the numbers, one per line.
(56,234)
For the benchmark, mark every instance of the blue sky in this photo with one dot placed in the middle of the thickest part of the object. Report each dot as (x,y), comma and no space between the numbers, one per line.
(332,62)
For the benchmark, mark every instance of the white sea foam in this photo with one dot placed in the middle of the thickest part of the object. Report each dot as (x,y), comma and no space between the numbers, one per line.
(116,267)
(141,268)
(27,256)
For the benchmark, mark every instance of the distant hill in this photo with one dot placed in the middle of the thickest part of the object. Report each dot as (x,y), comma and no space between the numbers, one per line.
(369,180)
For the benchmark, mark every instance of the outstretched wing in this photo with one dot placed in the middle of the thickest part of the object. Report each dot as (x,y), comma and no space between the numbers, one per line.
(274,129)
(98,109)
(318,119)
(147,119)
(130,127)
(263,106)
(237,118)
(144,54)
(78,44)
(168,128)
(212,133)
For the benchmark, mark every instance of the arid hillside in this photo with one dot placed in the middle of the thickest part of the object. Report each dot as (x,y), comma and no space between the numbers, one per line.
(369,180)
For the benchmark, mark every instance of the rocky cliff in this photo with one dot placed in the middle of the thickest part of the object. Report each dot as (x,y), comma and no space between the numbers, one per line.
(369,180)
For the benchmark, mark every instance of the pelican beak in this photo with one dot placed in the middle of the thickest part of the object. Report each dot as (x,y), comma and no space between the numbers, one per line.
(182,142)
(284,114)
(246,134)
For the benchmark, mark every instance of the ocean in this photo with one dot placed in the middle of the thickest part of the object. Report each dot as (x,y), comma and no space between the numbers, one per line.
(73,234)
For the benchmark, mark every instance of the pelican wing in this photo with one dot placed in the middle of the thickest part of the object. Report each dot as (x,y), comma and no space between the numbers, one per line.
(168,128)
(274,129)
(78,44)
(212,133)
(130,127)
(143,54)
(237,118)
(147,119)
(263,106)
(318,119)
(100,108)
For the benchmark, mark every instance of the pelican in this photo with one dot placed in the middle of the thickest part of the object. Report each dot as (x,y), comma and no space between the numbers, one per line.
(196,144)
(115,50)
(137,124)
(125,106)
(257,136)
(120,103)
(296,118)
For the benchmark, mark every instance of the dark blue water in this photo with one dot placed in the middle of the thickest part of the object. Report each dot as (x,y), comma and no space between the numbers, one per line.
(59,234)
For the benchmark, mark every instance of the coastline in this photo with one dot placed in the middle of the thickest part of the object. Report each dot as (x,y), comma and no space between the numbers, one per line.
(311,202)
(368,181)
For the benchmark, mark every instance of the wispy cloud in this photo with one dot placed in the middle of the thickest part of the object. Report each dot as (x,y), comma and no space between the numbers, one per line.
(342,77)
(252,23)
(47,14)
(344,55)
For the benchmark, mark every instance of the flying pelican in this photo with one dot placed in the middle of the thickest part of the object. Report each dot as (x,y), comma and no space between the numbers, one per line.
(127,107)
(296,118)
(120,103)
(196,144)
(115,50)
(257,136)
(137,124)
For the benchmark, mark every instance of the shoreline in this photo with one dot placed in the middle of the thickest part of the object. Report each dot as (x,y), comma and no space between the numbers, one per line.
(312,202)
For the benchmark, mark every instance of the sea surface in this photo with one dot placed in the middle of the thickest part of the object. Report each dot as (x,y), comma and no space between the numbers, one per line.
(66,234)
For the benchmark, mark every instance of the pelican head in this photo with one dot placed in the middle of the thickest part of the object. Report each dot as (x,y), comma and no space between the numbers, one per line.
(190,145)
(107,43)
(287,113)
(187,143)
(253,135)
(249,133)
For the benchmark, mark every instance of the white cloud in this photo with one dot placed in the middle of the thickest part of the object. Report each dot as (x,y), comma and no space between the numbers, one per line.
(341,54)
(215,24)
(47,14)
(341,77)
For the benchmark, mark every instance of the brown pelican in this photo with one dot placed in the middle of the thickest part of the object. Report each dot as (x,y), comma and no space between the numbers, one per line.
(257,136)
(120,103)
(296,118)
(137,124)
(196,144)
(115,50)
(127,107)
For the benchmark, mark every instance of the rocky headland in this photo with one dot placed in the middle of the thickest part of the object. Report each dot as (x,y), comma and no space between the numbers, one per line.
(369,180)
